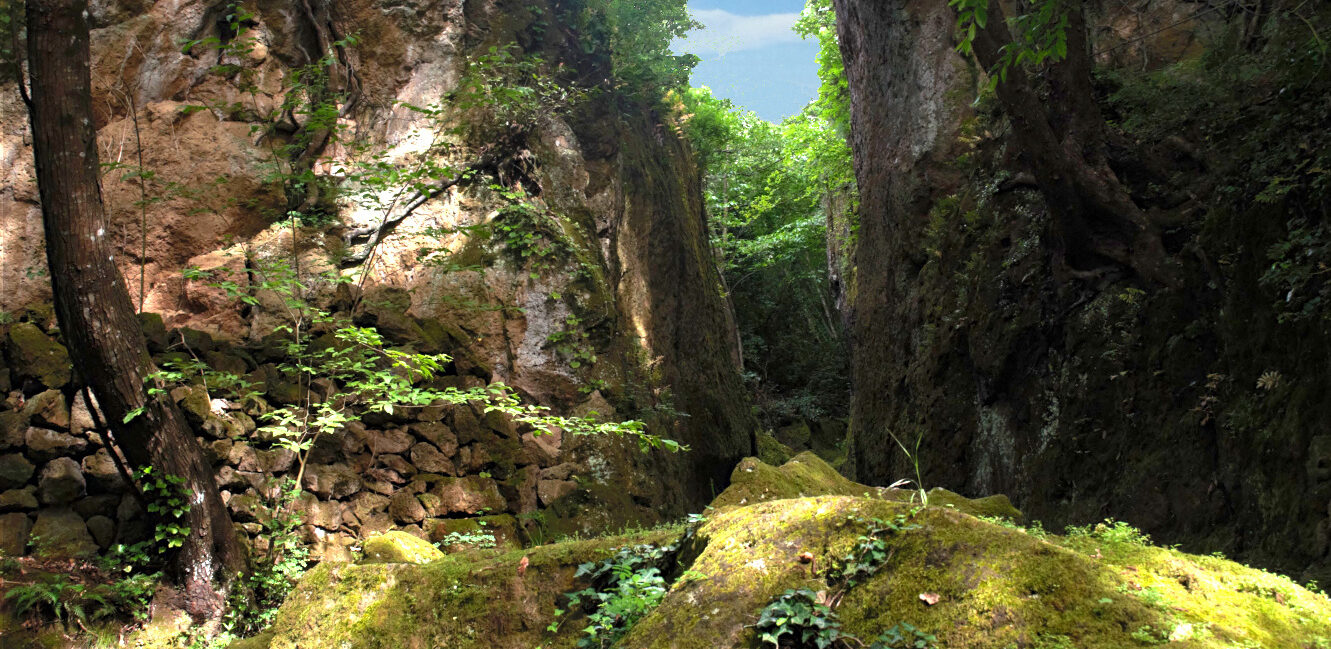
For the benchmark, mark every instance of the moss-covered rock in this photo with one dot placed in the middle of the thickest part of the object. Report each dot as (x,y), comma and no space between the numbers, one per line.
(32,354)
(399,547)
(476,599)
(996,585)
(806,474)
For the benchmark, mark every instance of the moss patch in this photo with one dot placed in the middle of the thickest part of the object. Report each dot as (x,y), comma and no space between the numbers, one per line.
(400,547)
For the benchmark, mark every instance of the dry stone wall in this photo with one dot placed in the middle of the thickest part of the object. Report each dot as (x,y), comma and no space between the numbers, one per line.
(429,471)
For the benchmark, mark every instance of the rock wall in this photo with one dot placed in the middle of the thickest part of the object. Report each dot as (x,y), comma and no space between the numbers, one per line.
(428,471)
(1083,399)
(627,320)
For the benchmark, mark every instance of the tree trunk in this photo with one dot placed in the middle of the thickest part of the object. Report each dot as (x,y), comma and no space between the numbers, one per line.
(1096,220)
(93,305)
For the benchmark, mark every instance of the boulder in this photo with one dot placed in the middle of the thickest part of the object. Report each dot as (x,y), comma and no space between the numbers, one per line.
(429,459)
(470,495)
(14,530)
(405,508)
(61,482)
(15,470)
(399,547)
(19,499)
(48,409)
(62,534)
(44,445)
(34,355)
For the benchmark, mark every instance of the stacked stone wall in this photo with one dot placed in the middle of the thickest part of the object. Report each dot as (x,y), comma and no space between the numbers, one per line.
(430,471)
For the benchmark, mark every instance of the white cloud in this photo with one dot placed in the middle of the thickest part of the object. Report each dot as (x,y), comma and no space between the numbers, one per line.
(725,32)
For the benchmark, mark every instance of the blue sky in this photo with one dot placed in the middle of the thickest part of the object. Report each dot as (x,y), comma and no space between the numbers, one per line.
(750,56)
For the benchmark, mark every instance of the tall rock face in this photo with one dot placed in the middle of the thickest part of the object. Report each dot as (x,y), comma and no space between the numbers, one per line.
(908,92)
(1194,413)
(572,264)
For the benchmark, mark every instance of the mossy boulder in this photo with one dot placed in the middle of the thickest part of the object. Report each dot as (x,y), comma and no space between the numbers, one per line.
(399,547)
(991,585)
(32,354)
(807,474)
(467,600)
(972,582)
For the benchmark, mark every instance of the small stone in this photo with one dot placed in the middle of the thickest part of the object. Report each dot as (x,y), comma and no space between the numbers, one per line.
(61,482)
(405,508)
(100,504)
(332,482)
(428,458)
(399,547)
(550,491)
(398,464)
(80,414)
(103,531)
(62,534)
(101,472)
(33,355)
(12,427)
(326,514)
(467,426)
(19,499)
(194,401)
(364,504)
(14,530)
(154,330)
(46,445)
(247,507)
(194,340)
(543,448)
(439,435)
(48,409)
(501,423)
(15,470)
(389,441)
(469,495)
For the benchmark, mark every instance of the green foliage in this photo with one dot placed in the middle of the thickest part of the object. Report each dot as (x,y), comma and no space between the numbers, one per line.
(799,618)
(1039,32)
(871,550)
(625,588)
(818,20)
(639,33)
(71,604)
(767,194)
(503,94)
(168,502)
(1111,535)
(478,539)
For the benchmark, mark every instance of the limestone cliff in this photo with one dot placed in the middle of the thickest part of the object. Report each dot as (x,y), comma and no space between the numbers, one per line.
(620,313)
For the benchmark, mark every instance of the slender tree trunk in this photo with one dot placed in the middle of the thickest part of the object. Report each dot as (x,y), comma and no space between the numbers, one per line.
(1096,220)
(93,305)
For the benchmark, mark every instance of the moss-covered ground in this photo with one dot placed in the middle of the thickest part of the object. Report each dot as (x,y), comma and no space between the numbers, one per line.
(997,584)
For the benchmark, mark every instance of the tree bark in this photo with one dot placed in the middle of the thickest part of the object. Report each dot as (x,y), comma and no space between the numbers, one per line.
(93,305)
(1096,220)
